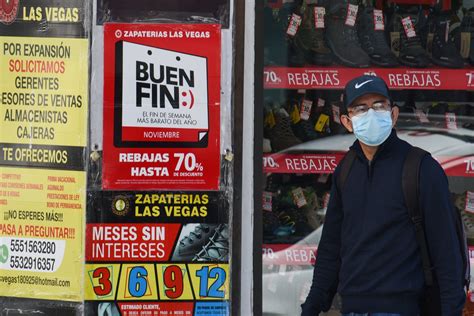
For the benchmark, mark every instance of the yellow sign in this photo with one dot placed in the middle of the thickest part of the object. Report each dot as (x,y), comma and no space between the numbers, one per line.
(43,91)
(41,233)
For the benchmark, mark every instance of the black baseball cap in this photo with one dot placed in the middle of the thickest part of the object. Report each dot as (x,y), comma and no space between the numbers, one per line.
(363,85)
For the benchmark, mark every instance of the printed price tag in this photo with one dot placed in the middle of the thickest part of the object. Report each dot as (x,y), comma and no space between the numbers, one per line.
(408,27)
(267,201)
(298,197)
(294,24)
(305,112)
(421,116)
(379,23)
(336,113)
(321,102)
(351,14)
(469,207)
(395,43)
(323,120)
(451,121)
(319,13)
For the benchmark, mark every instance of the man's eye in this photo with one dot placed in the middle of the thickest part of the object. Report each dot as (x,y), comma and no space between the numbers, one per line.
(378,105)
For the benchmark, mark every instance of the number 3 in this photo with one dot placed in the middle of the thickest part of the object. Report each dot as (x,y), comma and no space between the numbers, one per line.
(104,280)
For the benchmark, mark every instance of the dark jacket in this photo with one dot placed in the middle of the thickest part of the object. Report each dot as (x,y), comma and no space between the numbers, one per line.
(368,250)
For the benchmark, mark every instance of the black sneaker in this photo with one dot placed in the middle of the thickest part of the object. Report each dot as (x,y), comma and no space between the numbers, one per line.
(217,249)
(282,135)
(440,42)
(310,39)
(191,244)
(270,223)
(294,56)
(408,46)
(372,38)
(342,37)
(304,130)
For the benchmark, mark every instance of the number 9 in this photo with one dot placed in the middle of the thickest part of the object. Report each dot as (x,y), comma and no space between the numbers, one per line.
(173,280)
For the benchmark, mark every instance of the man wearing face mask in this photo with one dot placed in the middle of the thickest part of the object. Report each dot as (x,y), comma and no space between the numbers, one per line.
(368,251)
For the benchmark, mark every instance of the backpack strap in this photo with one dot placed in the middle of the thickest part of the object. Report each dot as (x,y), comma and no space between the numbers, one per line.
(411,191)
(346,165)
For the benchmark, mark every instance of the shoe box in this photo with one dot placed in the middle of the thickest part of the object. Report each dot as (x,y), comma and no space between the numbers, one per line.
(349,33)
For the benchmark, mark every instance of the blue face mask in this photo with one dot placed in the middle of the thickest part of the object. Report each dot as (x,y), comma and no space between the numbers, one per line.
(372,128)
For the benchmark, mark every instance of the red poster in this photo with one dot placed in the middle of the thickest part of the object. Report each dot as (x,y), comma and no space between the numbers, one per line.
(161,106)
(396,78)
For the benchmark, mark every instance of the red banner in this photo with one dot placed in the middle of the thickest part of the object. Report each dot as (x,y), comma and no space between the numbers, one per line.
(130,242)
(396,78)
(301,163)
(455,166)
(289,254)
(162,100)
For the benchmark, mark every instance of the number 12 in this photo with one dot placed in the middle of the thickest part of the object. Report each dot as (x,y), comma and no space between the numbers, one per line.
(204,274)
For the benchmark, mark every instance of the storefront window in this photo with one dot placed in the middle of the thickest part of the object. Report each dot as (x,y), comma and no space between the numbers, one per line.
(117,158)
(311,50)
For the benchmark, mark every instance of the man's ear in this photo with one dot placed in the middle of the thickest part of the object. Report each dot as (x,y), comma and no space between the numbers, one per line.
(395,113)
(347,122)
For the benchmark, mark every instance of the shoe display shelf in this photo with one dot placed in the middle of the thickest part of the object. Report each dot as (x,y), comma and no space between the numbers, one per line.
(397,78)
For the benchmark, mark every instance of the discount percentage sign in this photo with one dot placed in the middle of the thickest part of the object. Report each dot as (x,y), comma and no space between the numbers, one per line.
(269,162)
(199,167)
(188,162)
(271,77)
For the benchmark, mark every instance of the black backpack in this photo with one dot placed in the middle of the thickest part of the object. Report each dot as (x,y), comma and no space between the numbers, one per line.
(430,304)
